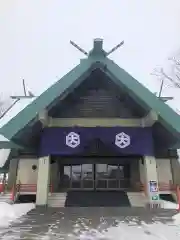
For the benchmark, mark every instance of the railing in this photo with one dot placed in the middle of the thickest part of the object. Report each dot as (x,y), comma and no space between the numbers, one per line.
(161,186)
(100,184)
(29,188)
(111,184)
(3,187)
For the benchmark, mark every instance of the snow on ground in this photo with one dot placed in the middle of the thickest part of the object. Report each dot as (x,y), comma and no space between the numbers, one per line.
(169,205)
(176,219)
(9,213)
(156,231)
(131,230)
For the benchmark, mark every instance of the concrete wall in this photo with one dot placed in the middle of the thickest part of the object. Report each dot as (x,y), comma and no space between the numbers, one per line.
(43,181)
(25,173)
(134,172)
(175,166)
(164,170)
(54,176)
(142,171)
(13,168)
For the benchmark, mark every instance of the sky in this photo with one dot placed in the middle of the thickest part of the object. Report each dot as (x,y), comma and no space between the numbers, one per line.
(35,35)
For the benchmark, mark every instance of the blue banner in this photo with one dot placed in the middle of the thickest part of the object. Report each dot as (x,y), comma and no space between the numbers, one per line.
(68,141)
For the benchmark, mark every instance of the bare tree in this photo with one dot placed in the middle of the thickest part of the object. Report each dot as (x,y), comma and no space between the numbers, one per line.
(173,75)
(5,105)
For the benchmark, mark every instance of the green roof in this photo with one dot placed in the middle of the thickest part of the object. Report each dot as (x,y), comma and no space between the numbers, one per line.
(97,58)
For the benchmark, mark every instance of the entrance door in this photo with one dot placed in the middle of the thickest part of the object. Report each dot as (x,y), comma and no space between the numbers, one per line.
(96,177)
(87,177)
(78,177)
(112,176)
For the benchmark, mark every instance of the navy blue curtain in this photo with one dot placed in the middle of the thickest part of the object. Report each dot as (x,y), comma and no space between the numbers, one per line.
(73,140)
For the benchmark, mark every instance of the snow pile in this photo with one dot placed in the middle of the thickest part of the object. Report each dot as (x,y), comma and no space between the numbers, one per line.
(144,231)
(169,205)
(129,231)
(9,213)
(176,219)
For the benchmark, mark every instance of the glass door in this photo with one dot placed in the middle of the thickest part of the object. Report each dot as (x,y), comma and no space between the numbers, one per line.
(111,176)
(101,172)
(87,177)
(76,173)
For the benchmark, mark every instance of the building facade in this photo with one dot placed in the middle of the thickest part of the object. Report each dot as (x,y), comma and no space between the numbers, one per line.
(96,129)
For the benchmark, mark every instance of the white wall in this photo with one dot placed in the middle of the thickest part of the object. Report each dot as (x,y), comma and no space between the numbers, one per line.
(164,170)
(25,173)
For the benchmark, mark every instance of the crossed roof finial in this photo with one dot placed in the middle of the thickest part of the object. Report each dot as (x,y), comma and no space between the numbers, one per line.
(97,48)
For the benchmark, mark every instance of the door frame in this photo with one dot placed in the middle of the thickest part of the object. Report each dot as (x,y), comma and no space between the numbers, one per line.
(94,180)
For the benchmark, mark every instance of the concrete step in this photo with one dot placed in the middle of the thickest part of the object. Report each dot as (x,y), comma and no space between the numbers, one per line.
(137,199)
(57,199)
(5,197)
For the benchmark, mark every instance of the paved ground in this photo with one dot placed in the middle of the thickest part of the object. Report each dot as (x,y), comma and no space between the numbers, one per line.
(69,223)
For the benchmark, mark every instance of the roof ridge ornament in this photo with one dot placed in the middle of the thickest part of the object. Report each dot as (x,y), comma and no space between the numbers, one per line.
(97,48)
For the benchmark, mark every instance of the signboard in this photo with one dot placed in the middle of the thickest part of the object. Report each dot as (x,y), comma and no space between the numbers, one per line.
(153,186)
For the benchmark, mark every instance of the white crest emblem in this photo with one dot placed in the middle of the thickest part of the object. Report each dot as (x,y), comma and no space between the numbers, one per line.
(122,140)
(72,140)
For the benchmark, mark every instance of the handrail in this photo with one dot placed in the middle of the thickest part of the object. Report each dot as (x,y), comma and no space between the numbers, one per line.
(162,186)
(30,187)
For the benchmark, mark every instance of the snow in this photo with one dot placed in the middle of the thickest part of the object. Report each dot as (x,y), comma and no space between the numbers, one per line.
(3,139)
(4,154)
(5,104)
(16,108)
(176,219)
(144,231)
(9,213)
(169,205)
(126,230)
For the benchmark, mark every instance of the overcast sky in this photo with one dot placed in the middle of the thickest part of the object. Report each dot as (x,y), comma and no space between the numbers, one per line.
(35,34)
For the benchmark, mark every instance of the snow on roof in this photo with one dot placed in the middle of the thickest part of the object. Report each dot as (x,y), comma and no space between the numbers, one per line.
(2,138)
(5,104)
(16,108)
(4,154)
(10,114)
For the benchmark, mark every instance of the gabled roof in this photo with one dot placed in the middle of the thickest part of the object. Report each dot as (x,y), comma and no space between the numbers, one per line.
(96,59)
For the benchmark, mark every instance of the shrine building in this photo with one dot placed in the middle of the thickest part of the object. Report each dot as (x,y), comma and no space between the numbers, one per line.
(97,129)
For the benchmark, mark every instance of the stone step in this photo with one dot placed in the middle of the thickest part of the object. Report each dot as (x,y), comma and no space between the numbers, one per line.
(137,199)
(6,197)
(57,199)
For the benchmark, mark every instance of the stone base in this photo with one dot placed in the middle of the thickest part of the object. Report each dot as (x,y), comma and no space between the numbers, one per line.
(41,206)
(154,205)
